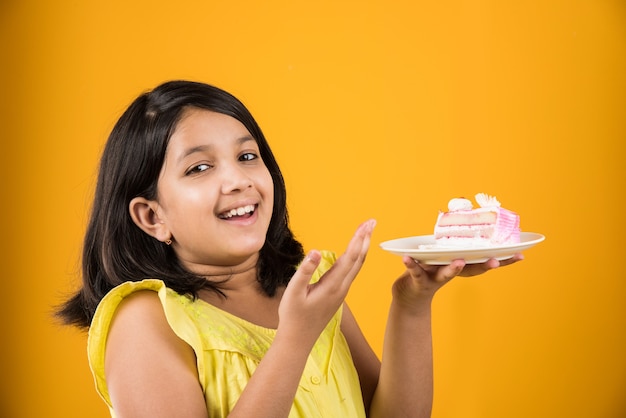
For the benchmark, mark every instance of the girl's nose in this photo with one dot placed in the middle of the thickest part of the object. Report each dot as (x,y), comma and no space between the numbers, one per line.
(234,179)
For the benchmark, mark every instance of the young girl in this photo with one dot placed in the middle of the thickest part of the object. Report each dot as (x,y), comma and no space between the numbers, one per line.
(201,303)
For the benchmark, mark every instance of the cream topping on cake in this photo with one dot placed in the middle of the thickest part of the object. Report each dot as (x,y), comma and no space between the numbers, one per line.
(459,203)
(486,201)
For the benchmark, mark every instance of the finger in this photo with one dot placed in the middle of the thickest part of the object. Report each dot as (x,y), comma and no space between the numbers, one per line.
(434,269)
(359,244)
(446,273)
(302,277)
(480,268)
(517,257)
(415,267)
(357,247)
(438,273)
(416,270)
(360,252)
(491,264)
(350,262)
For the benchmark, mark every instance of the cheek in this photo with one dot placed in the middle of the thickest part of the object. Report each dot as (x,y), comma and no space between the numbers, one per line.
(182,205)
(268,186)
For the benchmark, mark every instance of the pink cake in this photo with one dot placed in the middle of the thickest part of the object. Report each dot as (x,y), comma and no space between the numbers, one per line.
(489,225)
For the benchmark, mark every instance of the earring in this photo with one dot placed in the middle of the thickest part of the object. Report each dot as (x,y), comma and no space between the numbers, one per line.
(168,242)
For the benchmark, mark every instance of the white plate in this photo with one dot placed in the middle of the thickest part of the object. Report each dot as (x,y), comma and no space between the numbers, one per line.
(423,249)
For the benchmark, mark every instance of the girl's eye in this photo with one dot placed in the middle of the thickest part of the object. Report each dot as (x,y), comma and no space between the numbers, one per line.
(197,169)
(248,156)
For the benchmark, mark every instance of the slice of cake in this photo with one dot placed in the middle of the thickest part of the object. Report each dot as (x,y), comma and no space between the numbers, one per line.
(489,225)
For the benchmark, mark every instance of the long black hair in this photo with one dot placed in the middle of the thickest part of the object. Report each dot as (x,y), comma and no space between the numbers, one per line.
(115,250)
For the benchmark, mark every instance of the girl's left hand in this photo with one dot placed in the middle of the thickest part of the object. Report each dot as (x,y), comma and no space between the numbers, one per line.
(421,281)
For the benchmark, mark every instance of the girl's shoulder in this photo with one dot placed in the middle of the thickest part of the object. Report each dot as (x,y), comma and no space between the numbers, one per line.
(132,332)
(131,319)
(136,291)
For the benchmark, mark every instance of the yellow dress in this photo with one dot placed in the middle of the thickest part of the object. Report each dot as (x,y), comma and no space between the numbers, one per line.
(228,350)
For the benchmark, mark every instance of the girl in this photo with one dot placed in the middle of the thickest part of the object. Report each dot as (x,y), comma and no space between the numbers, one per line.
(201,303)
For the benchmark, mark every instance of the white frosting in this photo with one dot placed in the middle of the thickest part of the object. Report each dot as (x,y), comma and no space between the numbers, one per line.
(464,243)
(486,201)
(459,203)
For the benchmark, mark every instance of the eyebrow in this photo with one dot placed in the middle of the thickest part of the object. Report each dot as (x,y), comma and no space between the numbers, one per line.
(202,148)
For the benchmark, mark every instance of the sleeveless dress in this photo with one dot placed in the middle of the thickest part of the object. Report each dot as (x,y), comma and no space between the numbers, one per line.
(228,349)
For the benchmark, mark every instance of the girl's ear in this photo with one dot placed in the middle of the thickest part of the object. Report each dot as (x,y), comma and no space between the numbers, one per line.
(144,214)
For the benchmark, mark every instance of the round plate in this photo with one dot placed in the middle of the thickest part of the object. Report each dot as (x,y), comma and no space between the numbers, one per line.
(423,249)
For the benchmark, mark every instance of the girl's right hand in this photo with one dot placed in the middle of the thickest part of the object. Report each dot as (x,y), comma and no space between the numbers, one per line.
(306,308)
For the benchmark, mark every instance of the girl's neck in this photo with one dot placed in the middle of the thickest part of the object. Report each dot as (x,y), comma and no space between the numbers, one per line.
(236,277)
(244,296)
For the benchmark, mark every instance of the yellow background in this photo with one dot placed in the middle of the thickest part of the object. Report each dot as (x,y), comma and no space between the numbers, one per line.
(381,109)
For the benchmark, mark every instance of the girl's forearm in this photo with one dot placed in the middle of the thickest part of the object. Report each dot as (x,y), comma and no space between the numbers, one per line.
(272,388)
(405,387)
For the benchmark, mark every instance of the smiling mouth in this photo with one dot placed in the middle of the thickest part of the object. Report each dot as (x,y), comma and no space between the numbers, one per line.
(243,211)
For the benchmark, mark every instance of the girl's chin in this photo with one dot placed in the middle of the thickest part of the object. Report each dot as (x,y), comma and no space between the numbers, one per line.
(224,263)
(243,250)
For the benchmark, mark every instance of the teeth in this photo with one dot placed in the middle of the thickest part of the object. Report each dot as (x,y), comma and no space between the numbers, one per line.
(238,211)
